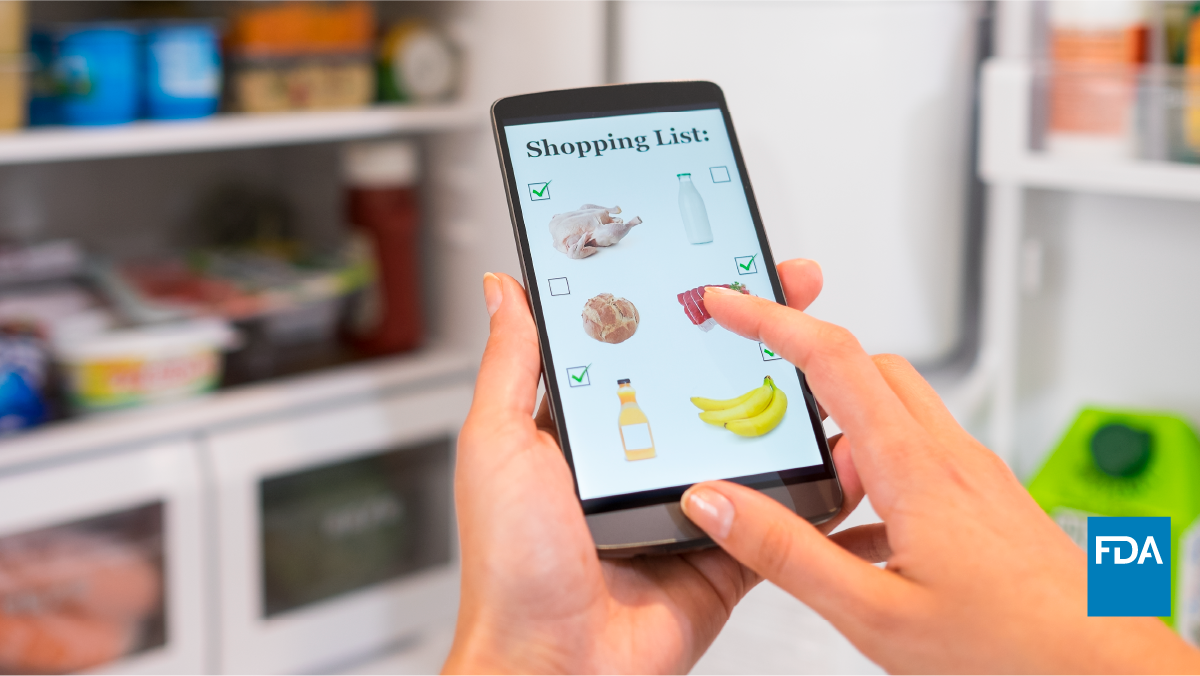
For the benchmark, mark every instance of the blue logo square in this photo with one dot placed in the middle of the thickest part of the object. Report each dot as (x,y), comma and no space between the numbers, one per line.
(1129,566)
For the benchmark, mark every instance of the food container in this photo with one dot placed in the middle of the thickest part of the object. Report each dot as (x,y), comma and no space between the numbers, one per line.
(12,91)
(97,72)
(131,367)
(43,88)
(416,64)
(271,85)
(302,56)
(183,71)
(12,26)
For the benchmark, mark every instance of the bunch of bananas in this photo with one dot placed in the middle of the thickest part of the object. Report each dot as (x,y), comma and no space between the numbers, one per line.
(751,415)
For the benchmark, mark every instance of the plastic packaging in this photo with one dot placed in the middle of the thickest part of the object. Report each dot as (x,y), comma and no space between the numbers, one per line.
(416,63)
(97,71)
(1096,48)
(145,365)
(382,207)
(1123,463)
(692,211)
(81,594)
(183,71)
(22,379)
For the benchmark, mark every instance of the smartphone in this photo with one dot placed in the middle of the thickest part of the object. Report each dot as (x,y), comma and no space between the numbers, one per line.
(626,202)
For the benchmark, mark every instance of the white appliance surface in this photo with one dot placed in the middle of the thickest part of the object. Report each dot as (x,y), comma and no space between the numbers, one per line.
(853,119)
(351,626)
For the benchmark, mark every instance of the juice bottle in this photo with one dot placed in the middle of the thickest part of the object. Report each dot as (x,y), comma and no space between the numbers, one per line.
(1126,463)
(691,209)
(635,429)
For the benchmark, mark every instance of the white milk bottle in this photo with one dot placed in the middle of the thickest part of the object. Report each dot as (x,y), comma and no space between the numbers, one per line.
(691,209)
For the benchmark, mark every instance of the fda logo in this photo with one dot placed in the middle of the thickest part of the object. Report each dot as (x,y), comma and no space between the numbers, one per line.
(1129,566)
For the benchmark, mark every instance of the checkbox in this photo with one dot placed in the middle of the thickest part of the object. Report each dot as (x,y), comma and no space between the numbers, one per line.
(559,286)
(746,265)
(539,191)
(719,174)
(577,376)
(767,353)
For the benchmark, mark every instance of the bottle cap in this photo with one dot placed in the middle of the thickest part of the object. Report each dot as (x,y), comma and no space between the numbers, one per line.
(1120,450)
(380,164)
(678,175)
(623,381)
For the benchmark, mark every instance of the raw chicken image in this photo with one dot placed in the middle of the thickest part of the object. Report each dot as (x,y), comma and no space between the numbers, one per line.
(579,233)
(692,301)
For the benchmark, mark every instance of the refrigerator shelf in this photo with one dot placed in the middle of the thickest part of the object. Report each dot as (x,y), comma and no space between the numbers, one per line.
(1006,155)
(228,131)
(130,428)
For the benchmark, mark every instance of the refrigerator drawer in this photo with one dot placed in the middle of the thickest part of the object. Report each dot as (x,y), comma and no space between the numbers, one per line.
(335,530)
(101,565)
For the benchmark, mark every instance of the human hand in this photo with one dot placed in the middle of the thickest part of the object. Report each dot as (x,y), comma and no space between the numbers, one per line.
(535,596)
(978,578)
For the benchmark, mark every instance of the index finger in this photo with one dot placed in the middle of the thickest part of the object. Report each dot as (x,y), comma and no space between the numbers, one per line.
(841,375)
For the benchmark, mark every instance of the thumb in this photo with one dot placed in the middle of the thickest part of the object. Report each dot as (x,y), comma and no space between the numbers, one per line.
(507,382)
(782,547)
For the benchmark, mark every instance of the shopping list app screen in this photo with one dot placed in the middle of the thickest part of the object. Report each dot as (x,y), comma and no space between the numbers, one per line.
(628,218)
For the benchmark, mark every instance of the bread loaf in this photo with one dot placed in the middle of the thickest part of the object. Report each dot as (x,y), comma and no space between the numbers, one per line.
(609,319)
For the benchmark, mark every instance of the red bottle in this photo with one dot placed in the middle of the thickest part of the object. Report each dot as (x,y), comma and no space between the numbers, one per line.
(382,208)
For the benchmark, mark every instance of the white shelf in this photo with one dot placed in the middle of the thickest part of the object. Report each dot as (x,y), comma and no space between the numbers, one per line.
(227,131)
(1006,157)
(135,427)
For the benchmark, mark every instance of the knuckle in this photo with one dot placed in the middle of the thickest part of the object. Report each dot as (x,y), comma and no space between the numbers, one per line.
(891,362)
(774,549)
(837,342)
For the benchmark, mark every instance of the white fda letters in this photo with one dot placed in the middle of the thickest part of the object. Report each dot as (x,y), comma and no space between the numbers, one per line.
(1150,548)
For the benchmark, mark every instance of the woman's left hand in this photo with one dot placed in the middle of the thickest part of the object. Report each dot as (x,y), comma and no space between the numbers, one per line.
(535,596)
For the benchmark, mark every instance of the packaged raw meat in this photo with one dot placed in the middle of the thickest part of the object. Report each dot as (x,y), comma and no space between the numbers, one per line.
(79,595)
(692,301)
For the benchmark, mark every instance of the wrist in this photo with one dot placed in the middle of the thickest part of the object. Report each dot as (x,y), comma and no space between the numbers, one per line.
(482,647)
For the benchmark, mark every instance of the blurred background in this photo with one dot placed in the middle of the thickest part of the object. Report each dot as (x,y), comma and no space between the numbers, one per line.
(241,247)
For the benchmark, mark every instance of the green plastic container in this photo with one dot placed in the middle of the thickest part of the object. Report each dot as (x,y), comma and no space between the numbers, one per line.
(1125,463)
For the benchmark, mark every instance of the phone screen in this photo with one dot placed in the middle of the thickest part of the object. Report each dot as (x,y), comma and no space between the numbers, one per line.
(627,218)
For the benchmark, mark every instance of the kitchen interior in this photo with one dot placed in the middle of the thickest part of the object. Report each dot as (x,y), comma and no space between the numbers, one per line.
(241,247)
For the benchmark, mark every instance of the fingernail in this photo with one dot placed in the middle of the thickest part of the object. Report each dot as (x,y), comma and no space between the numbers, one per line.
(493,292)
(721,290)
(710,510)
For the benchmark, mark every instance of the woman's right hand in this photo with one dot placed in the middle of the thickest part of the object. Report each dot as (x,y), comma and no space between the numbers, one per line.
(978,578)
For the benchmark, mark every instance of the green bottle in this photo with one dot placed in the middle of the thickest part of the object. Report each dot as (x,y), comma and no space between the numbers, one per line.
(1123,463)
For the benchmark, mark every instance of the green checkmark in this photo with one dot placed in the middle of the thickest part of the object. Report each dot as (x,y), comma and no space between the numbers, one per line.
(769,353)
(541,192)
(748,263)
(579,378)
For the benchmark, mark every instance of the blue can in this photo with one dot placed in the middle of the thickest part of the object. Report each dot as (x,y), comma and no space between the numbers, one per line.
(183,71)
(96,68)
(43,89)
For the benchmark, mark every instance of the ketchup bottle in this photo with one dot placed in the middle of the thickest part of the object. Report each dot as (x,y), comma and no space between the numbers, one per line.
(382,209)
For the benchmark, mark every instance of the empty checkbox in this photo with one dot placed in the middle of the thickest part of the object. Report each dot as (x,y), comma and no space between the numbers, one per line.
(559,286)
(719,174)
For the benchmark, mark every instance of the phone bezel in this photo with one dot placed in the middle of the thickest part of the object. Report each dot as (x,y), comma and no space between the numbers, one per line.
(624,99)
